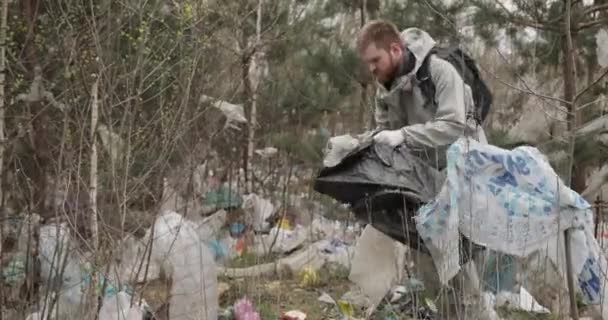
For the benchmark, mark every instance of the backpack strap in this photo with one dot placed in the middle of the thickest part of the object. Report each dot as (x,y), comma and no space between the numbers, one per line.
(423,78)
(425,82)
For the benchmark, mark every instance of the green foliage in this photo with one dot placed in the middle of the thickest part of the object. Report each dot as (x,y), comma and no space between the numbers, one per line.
(435,17)
(307,149)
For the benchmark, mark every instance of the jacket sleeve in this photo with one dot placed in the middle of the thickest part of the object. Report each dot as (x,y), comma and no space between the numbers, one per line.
(449,121)
(380,114)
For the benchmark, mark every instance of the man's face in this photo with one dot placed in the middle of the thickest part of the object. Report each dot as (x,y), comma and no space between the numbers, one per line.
(382,63)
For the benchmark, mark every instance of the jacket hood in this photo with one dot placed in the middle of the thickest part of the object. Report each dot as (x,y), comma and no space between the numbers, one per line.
(419,42)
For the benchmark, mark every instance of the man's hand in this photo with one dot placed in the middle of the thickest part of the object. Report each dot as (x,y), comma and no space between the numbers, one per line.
(390,137)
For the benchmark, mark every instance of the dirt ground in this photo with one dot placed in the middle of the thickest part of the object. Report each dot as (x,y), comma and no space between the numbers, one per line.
(281,293)
(270,295)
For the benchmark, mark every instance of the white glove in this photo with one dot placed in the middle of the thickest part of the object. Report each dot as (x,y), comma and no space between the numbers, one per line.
(390,137)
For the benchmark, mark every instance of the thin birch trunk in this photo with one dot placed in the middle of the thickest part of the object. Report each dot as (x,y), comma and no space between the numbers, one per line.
(254,79)
(93,193)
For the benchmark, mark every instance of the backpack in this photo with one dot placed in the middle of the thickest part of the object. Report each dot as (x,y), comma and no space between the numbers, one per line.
(467,69)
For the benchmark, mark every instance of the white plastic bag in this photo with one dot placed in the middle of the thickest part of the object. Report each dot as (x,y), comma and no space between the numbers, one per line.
(260,209)
(192,267)
(56,250)
(337,148)
(118,307)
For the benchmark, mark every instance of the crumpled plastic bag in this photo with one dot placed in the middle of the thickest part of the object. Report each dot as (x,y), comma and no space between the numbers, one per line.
(259,209)
(520,301)
(337,148)
(59,263)
(179,249)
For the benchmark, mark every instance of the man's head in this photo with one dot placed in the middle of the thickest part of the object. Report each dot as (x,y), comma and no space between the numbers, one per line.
(380,47)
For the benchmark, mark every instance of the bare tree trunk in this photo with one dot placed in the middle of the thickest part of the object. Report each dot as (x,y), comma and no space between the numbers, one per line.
(93,193)
(3,28)
(569,96)
(364,101)
(576,177)
(254,79)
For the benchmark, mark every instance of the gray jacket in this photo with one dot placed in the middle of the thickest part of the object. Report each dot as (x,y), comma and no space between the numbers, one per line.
(429,128)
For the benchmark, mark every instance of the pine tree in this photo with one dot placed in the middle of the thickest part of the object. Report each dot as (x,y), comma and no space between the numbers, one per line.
(566,29)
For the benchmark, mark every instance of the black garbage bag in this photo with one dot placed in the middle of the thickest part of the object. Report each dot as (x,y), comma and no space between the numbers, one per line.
(384,186)
(371,168)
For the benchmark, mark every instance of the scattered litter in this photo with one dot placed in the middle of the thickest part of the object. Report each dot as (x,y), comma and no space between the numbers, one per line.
(243,310)
(326,298)
(14,272)
(346,308)
(308,277)
(267,152)
(223,197)
(237,229)
(118,307)
(293,315)
(522,301)
(411,304)
(412,286)
(355,298)
(233,112)
(488,302)
(259,209)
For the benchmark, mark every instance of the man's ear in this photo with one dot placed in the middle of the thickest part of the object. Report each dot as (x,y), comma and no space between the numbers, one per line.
(396,49)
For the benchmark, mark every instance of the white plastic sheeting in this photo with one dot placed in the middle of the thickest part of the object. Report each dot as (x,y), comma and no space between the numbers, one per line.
(378,264)
(512,202)
(177,247)
(118,307)
(60,264)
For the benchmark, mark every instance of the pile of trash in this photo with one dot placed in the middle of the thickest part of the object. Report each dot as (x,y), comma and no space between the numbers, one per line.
(408,244)
(487,203)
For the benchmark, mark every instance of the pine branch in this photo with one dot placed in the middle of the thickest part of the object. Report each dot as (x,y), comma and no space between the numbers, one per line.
(510,17)
(586,12)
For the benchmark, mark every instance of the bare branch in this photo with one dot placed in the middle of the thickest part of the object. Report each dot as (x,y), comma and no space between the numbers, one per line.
(589,24)
(580,94)
(595,9)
